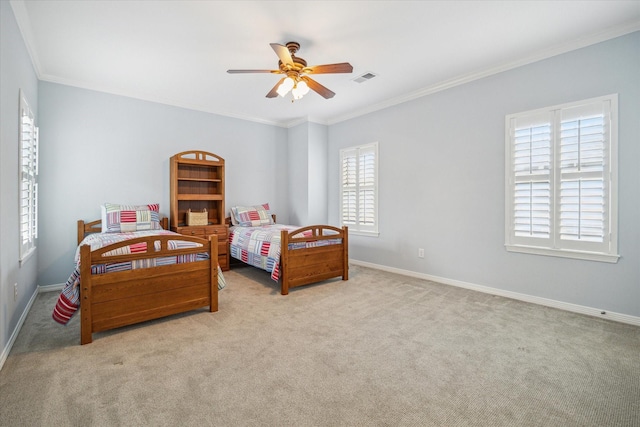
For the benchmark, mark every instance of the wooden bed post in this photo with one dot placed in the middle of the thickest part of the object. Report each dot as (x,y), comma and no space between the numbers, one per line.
(213,259)
(80,230)
(164,223)
(284,262)
(345,253)
(85,295)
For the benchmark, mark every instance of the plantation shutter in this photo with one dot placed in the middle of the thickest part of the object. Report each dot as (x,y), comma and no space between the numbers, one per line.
(561,180)
(359,206)
(367,187)
(28,139)
(583,195)
(349,187)
(531,196)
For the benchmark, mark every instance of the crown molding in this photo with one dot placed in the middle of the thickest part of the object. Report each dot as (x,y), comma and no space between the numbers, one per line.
(155,99)
(24,25)
(22,19)
(576,44)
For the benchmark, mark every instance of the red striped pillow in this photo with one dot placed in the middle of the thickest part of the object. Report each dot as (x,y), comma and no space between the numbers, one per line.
(124,218)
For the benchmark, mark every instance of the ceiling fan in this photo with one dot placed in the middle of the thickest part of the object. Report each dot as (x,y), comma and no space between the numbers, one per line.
(296,73)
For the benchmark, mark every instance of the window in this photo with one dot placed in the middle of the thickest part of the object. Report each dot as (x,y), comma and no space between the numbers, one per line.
(28,138)
(359,189)
(561,180)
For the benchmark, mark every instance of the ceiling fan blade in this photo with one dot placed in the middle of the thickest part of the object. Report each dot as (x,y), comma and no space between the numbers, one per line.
(342,67)
(322,91)
(283,53)
(274,92)
(253,71)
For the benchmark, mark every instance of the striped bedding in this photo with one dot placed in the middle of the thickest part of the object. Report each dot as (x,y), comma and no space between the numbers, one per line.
(69,299)
(260,246)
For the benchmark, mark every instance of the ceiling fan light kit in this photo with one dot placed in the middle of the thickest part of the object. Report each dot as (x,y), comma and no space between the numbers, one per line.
(296,70)
(286,85)
(299,90)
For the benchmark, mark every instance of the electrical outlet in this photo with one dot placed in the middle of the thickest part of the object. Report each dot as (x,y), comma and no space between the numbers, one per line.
(420,253)
(15,292)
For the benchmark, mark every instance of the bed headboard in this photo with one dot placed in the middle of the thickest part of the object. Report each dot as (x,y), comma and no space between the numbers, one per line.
(85,228)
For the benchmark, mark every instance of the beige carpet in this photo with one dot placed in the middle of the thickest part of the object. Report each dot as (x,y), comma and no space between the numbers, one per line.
(380,349)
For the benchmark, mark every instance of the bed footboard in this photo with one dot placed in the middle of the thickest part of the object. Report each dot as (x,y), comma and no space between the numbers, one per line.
(303,262)
(114,299)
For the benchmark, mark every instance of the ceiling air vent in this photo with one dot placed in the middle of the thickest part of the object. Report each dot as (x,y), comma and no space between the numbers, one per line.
(364,77)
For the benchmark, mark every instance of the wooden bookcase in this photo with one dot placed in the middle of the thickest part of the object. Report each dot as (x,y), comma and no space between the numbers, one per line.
(197,183)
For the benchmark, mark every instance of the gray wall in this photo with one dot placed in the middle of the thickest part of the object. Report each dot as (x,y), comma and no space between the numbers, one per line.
(317,161)
(298,174)
(307,178)
(100,148)
(442,179)
(16,72)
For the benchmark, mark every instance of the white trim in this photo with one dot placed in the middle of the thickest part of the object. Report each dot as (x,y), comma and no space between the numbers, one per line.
(21,15)
(480,74)
(564,253)
(553,244)
(357,153)
(574,308)
(363,233)
(159,100)
(26,256)
(27,179)
(19,8)
(14,335)
(447,84)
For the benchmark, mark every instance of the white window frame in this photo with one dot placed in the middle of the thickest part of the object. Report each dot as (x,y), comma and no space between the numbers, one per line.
(28,137)
(362,222)
(548,169)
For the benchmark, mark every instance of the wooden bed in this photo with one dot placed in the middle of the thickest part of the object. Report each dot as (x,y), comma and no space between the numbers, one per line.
(116,299)
(305,265)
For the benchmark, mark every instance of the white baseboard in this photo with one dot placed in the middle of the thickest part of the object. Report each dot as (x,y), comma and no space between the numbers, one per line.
(12,339)
(16,331)
(591,311)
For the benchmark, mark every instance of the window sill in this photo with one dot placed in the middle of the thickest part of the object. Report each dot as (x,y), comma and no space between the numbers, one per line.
(363,233)
(564,253)
(28,255)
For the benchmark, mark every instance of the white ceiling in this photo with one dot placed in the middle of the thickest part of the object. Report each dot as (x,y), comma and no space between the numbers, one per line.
(178,52)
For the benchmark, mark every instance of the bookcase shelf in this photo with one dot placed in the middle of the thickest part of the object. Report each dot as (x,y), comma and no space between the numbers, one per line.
(197,184)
